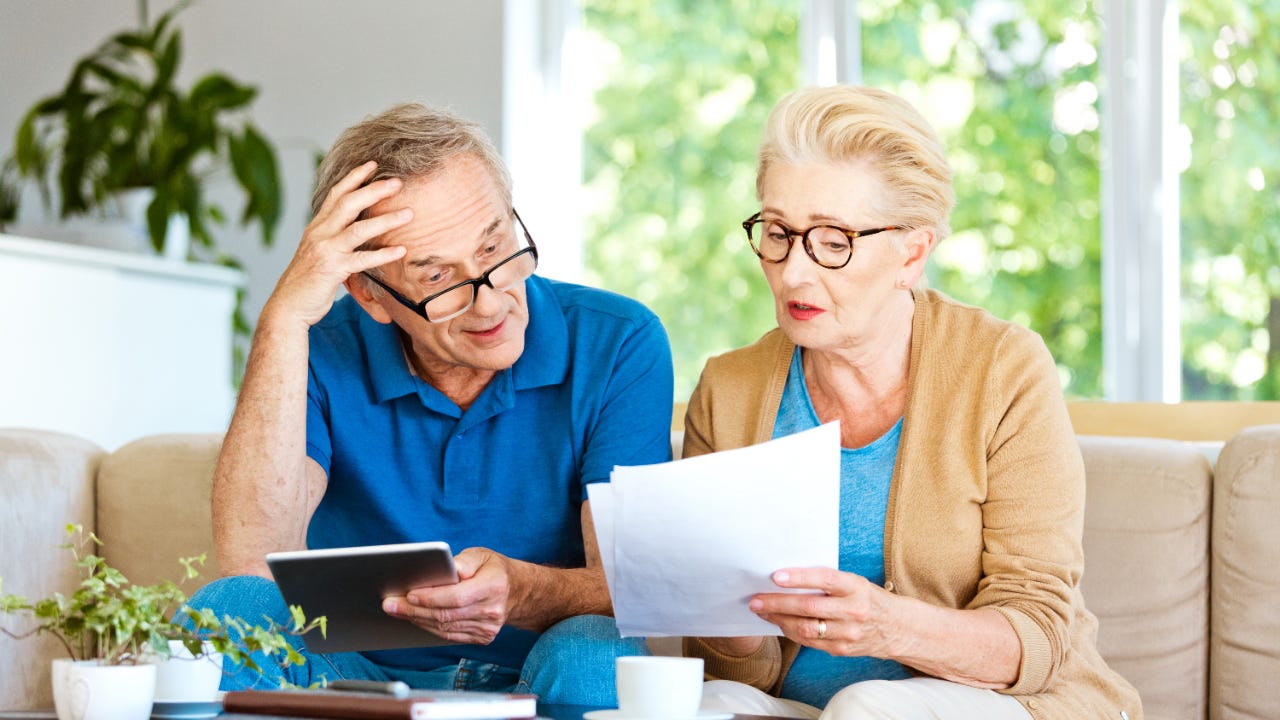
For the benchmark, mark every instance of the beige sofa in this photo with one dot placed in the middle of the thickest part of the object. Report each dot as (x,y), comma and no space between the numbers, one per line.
(1182,560)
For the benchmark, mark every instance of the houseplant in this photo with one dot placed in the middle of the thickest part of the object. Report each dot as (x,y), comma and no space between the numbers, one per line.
(121,122)
(111,623)
(8,193)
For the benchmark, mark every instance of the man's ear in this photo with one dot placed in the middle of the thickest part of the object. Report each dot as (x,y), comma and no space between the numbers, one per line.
(918,244)
(360,288)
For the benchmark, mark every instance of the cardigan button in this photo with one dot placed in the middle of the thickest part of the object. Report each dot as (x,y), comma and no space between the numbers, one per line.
(889,586)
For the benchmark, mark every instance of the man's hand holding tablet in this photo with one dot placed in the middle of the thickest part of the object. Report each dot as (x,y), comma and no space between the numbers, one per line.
(349,585)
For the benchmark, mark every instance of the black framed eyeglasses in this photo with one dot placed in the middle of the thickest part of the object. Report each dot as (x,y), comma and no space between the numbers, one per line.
(457,299)
(831,246)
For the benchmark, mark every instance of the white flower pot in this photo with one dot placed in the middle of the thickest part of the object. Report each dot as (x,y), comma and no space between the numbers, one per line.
(86,690)
(131,211)
(181,678)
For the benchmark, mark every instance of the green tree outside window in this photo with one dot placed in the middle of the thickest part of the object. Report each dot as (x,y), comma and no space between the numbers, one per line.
(670,160)
(1013,89)
(1230,188)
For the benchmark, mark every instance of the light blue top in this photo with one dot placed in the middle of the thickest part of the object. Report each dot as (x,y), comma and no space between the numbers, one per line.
(592,389)
(865,474)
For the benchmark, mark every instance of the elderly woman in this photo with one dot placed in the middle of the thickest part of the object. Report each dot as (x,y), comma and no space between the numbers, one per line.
(962,487)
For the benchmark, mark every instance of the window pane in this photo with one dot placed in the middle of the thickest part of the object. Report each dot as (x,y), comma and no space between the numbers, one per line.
(1012,89)
(682,90)
(1230,102)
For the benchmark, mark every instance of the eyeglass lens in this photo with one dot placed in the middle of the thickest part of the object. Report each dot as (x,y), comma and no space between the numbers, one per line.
(503,276)
(828,245)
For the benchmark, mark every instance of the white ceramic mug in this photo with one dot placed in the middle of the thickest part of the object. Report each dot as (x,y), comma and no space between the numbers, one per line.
(659,687)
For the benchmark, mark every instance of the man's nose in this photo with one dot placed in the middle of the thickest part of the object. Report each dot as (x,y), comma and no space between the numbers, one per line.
(488,300)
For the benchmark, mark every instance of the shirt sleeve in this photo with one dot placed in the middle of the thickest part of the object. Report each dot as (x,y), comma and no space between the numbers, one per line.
(319,441)
(1033,516)
(633,426)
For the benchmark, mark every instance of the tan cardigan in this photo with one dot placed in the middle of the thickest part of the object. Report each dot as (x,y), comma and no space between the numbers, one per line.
(986,504)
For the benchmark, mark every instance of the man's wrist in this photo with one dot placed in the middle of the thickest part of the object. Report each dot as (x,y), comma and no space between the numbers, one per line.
(277,319)
(518,582)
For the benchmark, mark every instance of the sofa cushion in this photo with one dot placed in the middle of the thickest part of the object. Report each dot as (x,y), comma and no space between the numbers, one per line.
(153,507)
(1245,632)
(47,481)
(1146,573)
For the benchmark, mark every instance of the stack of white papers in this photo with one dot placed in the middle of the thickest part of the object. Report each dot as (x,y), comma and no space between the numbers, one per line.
(686,544)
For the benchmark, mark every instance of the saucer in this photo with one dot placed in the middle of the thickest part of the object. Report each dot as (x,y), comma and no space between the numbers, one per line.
(161,710)
(617,715)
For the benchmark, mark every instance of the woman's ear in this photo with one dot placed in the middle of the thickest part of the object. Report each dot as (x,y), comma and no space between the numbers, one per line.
(918,244)
(361,288)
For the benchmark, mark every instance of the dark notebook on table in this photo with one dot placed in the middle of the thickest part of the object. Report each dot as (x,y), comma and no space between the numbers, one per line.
(418,705)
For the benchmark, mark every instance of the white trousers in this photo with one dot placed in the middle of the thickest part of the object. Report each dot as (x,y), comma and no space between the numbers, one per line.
(912,699)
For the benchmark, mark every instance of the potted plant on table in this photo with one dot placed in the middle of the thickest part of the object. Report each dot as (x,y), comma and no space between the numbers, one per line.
(115,632)
(121,125)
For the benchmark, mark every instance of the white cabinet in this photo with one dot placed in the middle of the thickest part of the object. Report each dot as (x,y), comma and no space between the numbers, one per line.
(110,345)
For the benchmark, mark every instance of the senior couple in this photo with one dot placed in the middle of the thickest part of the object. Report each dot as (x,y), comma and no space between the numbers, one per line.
(455,395)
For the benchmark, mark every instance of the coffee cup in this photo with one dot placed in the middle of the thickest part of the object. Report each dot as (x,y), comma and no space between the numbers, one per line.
(657,687)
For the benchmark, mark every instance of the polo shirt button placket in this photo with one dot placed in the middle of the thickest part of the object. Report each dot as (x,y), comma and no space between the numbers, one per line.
(459,485)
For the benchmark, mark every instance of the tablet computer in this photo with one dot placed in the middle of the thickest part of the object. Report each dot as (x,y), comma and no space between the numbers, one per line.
(347,586)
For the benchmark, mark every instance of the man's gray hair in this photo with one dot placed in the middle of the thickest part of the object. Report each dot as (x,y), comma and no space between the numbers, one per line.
(409,141)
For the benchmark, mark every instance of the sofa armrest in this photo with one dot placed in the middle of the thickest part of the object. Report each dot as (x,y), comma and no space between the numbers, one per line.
(46,481)
(1244,647)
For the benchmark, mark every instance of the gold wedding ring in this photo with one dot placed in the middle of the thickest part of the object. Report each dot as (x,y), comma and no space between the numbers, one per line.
(822,629)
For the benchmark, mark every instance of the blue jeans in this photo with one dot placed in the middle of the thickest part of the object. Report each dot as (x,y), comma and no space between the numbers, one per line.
(572,663)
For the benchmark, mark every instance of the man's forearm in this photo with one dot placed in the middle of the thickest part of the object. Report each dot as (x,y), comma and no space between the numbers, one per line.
(260,488)
(542,596)
(545,595)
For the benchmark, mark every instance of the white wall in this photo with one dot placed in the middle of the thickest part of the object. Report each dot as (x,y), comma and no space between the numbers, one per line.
(319,67)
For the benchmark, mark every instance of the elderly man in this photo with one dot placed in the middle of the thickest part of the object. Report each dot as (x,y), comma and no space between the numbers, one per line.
(453,395)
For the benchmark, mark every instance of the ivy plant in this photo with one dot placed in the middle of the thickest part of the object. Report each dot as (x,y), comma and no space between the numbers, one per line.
(112,620)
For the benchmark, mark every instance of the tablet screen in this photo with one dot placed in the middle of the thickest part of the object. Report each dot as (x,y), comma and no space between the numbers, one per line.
(347,586)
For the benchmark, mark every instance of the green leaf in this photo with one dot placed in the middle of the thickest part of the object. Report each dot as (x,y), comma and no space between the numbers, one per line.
(113,77)
(254,163)
(216,91)
(162,23)
(28,151)
(132,41)
(158,219)
(167,60)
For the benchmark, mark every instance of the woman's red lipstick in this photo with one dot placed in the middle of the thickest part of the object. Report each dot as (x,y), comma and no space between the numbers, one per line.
(800,311)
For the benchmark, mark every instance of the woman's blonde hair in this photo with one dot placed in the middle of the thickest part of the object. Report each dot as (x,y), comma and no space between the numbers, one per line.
(843,123)
(409,141)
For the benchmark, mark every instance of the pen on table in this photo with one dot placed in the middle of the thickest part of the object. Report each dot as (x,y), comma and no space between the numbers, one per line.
(394,688)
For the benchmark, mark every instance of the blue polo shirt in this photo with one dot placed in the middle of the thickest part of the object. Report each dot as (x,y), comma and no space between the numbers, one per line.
(592,389)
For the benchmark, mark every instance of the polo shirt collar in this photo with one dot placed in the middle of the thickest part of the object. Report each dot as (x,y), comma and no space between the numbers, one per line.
(388,368)
(545,360)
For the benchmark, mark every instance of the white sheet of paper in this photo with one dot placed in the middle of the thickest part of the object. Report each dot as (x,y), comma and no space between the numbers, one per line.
(687,543)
